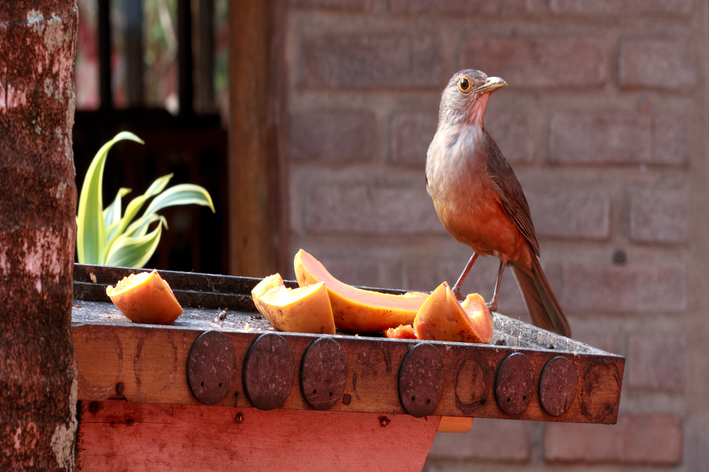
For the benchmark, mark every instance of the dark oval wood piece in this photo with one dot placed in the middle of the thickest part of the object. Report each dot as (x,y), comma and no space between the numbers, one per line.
(421,380)
(269,371)
(211,367)
(558,385)
(514,384)
(323,373)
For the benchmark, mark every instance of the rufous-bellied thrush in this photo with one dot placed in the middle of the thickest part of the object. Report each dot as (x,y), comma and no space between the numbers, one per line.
(479,199)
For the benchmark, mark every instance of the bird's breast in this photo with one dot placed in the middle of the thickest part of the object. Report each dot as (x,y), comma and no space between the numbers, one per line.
(464,196)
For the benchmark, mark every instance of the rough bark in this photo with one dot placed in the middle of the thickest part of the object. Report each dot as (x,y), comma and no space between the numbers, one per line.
(37,234)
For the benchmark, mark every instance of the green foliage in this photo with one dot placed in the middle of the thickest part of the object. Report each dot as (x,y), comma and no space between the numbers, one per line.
(107,237)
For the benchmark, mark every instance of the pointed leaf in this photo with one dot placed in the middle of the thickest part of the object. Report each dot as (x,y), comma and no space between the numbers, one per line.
(182,194)
(112,213)
(136,229)
(135,251)
(140,226)
(135,205)
(91,226)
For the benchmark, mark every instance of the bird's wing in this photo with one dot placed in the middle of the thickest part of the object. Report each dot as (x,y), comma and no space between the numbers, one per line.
(510,192)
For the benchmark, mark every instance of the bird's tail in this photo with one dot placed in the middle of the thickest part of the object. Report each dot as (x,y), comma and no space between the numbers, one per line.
(540,300)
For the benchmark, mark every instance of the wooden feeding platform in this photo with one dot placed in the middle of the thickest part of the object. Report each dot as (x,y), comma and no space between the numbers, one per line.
(220,389)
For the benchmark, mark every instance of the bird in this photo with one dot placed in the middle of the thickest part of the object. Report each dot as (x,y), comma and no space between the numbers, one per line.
(480,201)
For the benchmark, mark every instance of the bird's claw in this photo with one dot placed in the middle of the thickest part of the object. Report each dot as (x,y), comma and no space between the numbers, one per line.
(492,306)
(456,292)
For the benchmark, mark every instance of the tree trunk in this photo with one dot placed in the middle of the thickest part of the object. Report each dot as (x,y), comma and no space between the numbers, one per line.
(37,234)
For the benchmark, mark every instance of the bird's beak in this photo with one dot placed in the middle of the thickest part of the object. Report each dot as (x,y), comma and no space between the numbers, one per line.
(490,85)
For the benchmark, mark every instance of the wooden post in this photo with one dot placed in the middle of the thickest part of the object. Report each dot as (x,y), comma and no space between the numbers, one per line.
(256,220)
(37,235)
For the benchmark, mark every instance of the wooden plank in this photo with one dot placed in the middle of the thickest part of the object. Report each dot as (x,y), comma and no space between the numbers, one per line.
(150,364)
(118,436)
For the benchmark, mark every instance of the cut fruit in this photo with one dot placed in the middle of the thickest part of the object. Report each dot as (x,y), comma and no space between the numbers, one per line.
(354,309)
(145,298)
(442,318)
(299,310)
(402,332)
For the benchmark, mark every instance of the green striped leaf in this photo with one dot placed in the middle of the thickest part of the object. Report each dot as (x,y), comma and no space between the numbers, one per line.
(135,251)
(91,225)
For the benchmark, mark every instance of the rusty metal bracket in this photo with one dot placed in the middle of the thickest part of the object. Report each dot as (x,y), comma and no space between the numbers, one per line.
(269,371)
(514,384)
(421,379)
(558,385)
(323,373)
(211,367)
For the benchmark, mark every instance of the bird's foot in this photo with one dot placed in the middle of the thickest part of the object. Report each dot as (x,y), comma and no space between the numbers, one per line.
(492,306)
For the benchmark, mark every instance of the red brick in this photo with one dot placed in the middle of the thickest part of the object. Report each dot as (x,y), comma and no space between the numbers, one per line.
(527,63)
(617,289)
(618,138)
(349,5)
(626,7)
(670,138)
(412,134)
(472,7)
(373,61)
(515,134)
(371,209)
(426,275)
(656,361)
(561,210)
(657,63)
(488,440)
(659,215)
(637,439)
(333,135)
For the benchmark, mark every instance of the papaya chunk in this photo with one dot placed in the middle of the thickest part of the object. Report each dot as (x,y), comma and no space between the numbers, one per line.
(354,309)
(402,332)
(145,298)
(443,318)
(300,310)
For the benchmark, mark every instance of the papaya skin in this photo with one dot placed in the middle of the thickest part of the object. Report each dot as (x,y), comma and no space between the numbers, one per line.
(357,310)
(145,298)
(300,310)
(443,318)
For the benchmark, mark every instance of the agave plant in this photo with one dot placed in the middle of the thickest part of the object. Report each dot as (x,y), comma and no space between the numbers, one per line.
(106,236)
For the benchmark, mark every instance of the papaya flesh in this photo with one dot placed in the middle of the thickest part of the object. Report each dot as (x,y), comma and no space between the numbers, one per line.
(443,318)
(300,310)
(402,332)
(357,310)
(145,298)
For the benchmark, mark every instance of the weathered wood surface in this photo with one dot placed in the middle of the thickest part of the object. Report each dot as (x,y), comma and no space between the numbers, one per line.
(150,364)
(146,363)
(118,436)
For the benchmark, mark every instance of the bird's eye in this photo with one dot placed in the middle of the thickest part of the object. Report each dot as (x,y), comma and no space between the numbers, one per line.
(464,85)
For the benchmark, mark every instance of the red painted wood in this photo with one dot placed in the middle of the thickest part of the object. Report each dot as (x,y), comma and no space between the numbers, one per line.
(119,436)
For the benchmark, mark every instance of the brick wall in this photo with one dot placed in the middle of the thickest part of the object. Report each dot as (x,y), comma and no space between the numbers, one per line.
(605,124)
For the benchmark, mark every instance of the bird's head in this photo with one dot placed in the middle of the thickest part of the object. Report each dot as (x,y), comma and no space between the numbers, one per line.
(465,97)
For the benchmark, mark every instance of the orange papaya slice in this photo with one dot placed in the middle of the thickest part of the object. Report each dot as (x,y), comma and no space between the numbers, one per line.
(300,310)
(357,310)
(145,298)
(443,318)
